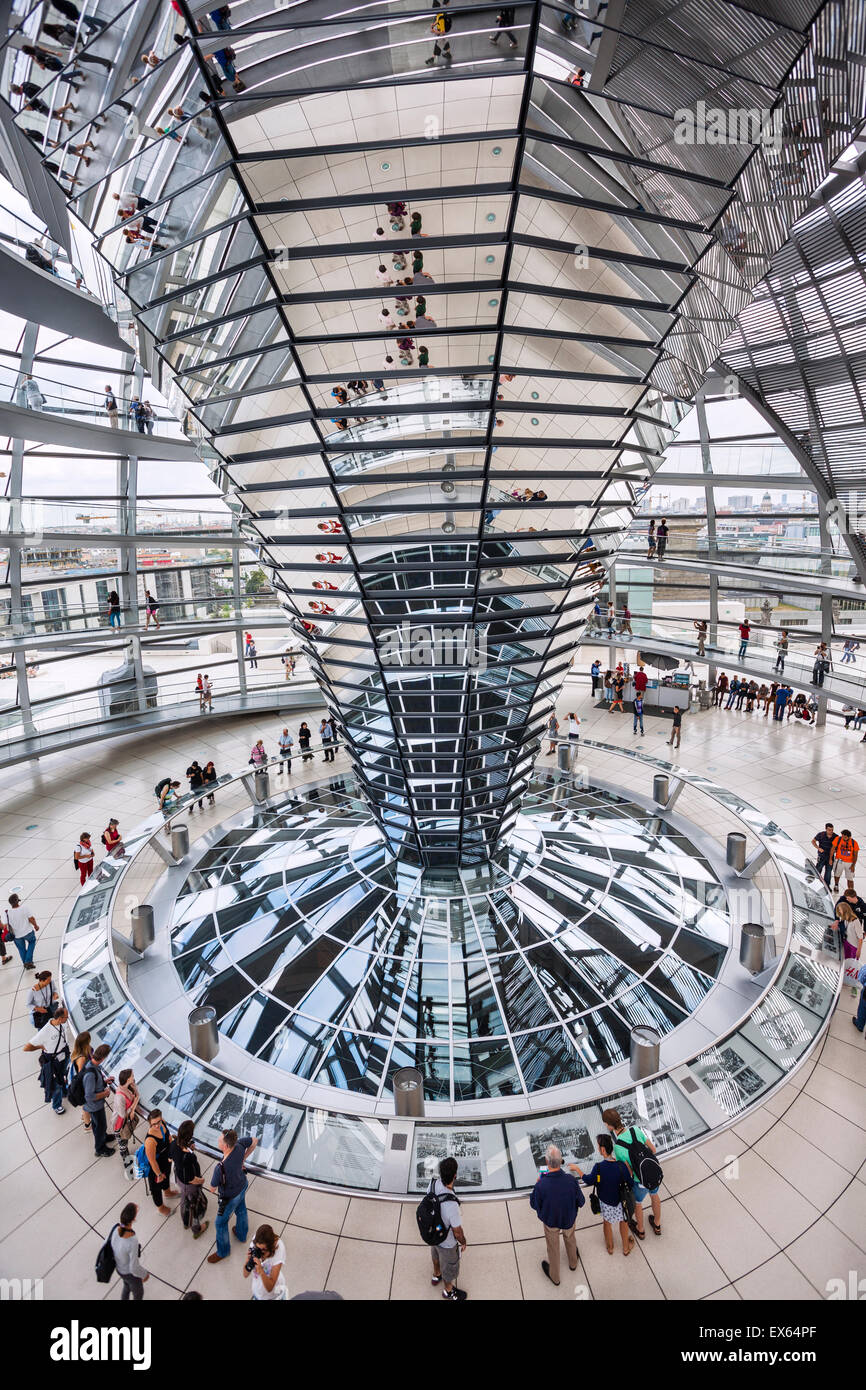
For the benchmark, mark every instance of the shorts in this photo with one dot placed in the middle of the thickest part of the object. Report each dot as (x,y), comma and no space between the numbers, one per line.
(639,1192)
(447,1257)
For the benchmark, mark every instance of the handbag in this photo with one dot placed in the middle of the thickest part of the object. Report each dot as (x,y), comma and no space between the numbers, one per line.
(594,1203)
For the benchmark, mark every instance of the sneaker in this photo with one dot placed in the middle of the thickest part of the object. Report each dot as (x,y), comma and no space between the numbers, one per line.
(456,1295)
(59,1109)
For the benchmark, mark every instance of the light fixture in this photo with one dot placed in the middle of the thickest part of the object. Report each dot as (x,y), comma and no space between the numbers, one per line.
(534,421)
(491,217)
(449,528)
(493,303)
(490,259)
(535,395)
(386,166)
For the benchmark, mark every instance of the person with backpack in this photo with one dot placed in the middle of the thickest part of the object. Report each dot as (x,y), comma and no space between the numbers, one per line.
(96,1090)
(50,1041)
(556,1200)
(126,1249)
(633,1147)
(438,1212)
(82,857)
(157,1148)
(125,1103)
(610,1180)
(113,840)
(167,792)
(229,1181)
(81,1054)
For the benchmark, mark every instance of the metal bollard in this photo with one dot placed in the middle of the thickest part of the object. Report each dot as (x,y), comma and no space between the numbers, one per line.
(563,757)
(752,941)
(180,841)
(262,785)
(736,851)
(409,1093)
(644,1053)
(661,788)
(141,918)
(204,1039)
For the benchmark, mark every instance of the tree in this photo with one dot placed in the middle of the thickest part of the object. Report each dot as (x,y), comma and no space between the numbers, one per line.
(255,582)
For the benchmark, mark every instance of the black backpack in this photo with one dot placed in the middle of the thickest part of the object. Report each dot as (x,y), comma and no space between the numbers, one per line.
(75,1094)
(105,1261)
(166,781)
(644,1165)
(428,1214)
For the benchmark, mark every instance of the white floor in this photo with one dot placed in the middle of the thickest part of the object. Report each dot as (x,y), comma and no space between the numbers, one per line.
(773,1209)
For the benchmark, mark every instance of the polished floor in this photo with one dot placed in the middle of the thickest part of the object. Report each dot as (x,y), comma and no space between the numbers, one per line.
(774,1208)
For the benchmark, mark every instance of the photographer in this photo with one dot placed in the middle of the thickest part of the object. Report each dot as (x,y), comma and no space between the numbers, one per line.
(265,1266)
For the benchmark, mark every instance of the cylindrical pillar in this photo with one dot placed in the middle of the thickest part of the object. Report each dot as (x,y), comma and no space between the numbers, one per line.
(736,851)
(180,841)
(644,1053)
(203,1036)
(661,788)
(262,784)
(409,1092)
(752,939)
(141,918)
(563,757)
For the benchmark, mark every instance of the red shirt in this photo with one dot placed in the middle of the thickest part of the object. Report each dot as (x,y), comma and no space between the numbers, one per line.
(745,631)
(640,681)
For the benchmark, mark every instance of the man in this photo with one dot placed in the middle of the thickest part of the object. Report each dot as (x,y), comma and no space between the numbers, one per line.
(52,1043)
(745,634)
(285,743)
(638,713)
(611,619)
(83,857)
(110,407)
(720,688)
(783,695)
(96,1092)
(625,624)
(676,731)
(848,650)
(782,650)
(844,858)
(733,690)
(822,664)
(700,626)
(823,843)
(856,904)
(624,1139)
(446,1257)
(253,655)
(136,414)
(859,1019)
(206,694)
(230,1181)
(640,681)
(661,539)
(595,676)
(22,928)
(326,733)
(556,1199)
(504,20)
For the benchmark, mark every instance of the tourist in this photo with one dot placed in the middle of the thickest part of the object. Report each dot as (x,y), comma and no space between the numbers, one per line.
(625,612)
(662,538)
(651,541)
(782,651)
(859,1019)
(195,777)
(552,732)
(556,1199)
(151,610)
(783,695)
(125,1104)
(157,1147)
(264,1266)
(823,841)
(595,676)
(21,929)
(42,998)
(229,1181)
(126,1249)
(109,405)
(638,714)
(720,688)
(609,1179)
(822,664)
(633,1147)
(285,743)
(304,737)
(446,1255)
(572,727)
(844,858)
(700,626)
(81,1054)
(209,778)
(849,647)
(258,756)
(96,1092)
(677,728)
(83,857)
(640,680)
(326,734)
(618,688)
(745,635)
(733,691)
(504,20)
(206,695)
(608,685)
(187,1172)
(50,1042)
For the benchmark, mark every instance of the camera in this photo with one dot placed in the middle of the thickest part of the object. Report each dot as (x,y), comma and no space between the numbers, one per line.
(257,1252)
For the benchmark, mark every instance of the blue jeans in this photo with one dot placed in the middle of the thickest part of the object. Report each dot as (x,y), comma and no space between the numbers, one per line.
(113,619)
(742,652)
(861,1010)
(638,719)
(236,1208)
(26,945)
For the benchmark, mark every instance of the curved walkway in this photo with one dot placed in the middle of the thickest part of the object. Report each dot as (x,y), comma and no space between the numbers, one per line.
(34,294)
(774,1208)
(769,579)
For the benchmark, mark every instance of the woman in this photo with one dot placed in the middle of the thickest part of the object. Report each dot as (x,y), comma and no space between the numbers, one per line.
(42,998)
(82,857)
(608,685)
(209,777)
(304,737)
(199,690)
(125,1102)
(168,802)
(114,608)
(573,727)
(151,610)
(193,1202)
(552,732)
(127,1252)
(157,1146)
(195,777)
(81,1054)
(607,1179)
(258,756)
(651,541)
(266,1270)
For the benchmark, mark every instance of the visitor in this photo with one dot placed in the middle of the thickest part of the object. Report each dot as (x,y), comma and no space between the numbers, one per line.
(50,1042)
(857,905)
(720,688)
(608,685)
(677,728)
(206,695)
(446,1255)
(157,1148)
(42,998)
(504,21)
(556,1199)
(781,651)
(618,688)
(96,1092)
(733,691)
(844,858)
(783,695)
(304,737)
(195,777)
(700,626)
(611,619)
(113,608)
(640,680)
(258,756)
(651,541)
(168,798)
(625,619)
(81,1054)
(229,1181)
(609,1179)
(126,1249)
(83,857)
(151,610)
(632,1146)
(253,656)
(125,1104)
(187,1172)
(745,635)
(264,1266)
(552,732)
(638,714)
(285,743)
(572,727)
(326,734)
(21,929)
(209,778)
(849,647)
(822,664)
(595,676)
(662,538)
(823,841)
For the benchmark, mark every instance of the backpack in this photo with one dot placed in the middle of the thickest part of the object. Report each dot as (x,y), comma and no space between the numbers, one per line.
(166,781)
(105,1261)
(428,1214)
(441,24)
(75,1094)
(644,1165)
(142,1166)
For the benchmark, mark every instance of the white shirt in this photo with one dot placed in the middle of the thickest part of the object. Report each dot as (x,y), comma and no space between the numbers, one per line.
(47,1037)
(85,852)
(279,1290)
(573,727)
(19,919)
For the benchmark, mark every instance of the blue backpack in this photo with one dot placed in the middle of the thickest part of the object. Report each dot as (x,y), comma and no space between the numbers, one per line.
(142,1167)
